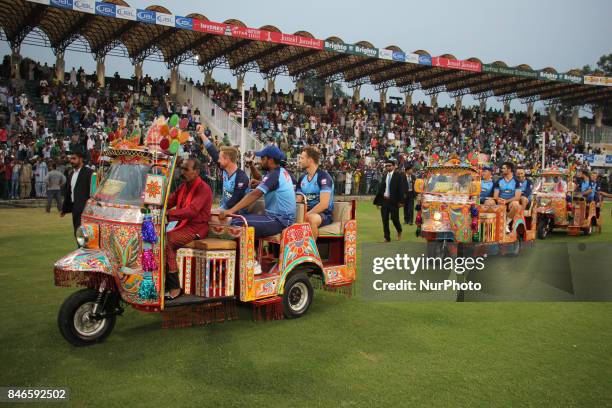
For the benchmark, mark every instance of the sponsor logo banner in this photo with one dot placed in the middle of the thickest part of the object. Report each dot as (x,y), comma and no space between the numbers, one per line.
(246,33)
(165,19)
(384,53)
(145,16)
(548,76)
(412,58)
(425,60)
(45,2)
(106,9)
(596,80)
(399,56)
(183,22)
(509,71)
(85,6)
(365,51)
(290,39)
(127,13)
(67,4)
(571,78)
(337,47)
(456,64)
(209,27)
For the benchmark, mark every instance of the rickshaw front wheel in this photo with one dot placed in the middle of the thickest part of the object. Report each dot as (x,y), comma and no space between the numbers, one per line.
(77,323)
(298,295)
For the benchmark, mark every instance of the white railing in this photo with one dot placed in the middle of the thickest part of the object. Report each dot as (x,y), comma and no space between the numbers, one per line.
(594,135)
(217,119)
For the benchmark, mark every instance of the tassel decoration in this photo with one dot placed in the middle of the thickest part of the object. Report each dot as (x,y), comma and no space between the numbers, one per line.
(147,288)
(148,261)
(148,230)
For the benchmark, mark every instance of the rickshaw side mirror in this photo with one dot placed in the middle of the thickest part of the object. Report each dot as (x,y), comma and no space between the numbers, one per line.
(475,188)
(418,185)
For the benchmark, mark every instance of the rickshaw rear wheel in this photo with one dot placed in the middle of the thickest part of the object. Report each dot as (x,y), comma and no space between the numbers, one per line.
(76,322)
(298,295)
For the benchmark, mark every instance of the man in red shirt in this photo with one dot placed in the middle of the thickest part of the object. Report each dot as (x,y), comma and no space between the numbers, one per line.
(190,207)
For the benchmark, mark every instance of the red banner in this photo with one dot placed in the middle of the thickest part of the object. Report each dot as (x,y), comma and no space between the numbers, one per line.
(209,27)
(456,64)
(290,39)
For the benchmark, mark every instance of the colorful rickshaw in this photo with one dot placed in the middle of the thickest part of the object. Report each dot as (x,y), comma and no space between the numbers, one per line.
(449,212)
(120,259)
(558,207)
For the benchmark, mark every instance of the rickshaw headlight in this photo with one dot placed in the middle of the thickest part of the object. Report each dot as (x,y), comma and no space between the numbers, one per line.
(544,201)
(437,216)
(82,236)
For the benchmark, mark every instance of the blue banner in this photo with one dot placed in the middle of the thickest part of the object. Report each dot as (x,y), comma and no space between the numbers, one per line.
(106,9)
(399,56)
(183,22)
(145,16)
(424,60)
(67,4)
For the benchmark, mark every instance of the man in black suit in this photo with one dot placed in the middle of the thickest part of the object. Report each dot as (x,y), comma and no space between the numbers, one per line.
(410,194)
(77,189)
(390,198)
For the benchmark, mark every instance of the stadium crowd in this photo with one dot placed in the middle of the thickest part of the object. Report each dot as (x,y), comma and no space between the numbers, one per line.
(44,121)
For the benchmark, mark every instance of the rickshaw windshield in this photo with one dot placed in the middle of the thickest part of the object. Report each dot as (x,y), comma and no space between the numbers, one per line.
(450,182)
(551,184)
(123,184)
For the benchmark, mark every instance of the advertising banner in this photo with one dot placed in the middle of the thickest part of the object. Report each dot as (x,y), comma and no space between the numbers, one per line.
(127,13)
(456,64)
(67,4)
(399,56)
(209,27)
(336,47)
(106,9)
(384,53)
(84,6)
(146,16)
(290,39)
(597,80)
(548,76)
(45,2)
(185,23)
(509,71)
(165,19)
(574,79)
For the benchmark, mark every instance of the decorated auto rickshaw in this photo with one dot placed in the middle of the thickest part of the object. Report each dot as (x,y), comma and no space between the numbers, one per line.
(449,212)
(120,259)
(558,207)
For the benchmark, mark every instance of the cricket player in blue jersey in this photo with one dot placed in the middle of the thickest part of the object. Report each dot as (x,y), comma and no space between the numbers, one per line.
(317,185)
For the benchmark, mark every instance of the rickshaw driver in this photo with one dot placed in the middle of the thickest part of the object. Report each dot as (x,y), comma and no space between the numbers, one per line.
(279,195)
(318,187)
(585,186)
(486,186)
(506,191)
(235,180)
(190,205)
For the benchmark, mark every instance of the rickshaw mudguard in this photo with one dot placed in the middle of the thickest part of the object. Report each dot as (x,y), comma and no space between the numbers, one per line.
(82,267)
(298,247)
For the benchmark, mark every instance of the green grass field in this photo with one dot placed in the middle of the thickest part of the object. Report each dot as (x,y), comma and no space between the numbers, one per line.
(346,352)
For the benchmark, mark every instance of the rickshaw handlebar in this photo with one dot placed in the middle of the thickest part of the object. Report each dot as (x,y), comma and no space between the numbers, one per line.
(234,216)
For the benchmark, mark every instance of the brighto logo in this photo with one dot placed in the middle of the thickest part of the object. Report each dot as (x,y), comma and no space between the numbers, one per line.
(411,264)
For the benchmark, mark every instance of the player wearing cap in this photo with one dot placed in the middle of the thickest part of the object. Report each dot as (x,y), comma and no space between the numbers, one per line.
(317,185)
(486,186)
(279,195)
(235,180)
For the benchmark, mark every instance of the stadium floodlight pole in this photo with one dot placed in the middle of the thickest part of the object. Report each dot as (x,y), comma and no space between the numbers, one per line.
(543,151)
(242,134)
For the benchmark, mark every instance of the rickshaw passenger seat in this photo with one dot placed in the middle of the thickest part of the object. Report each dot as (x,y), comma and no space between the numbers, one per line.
(212,244)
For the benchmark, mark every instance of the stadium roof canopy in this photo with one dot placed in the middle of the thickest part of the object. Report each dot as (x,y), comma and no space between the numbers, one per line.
(144,32)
